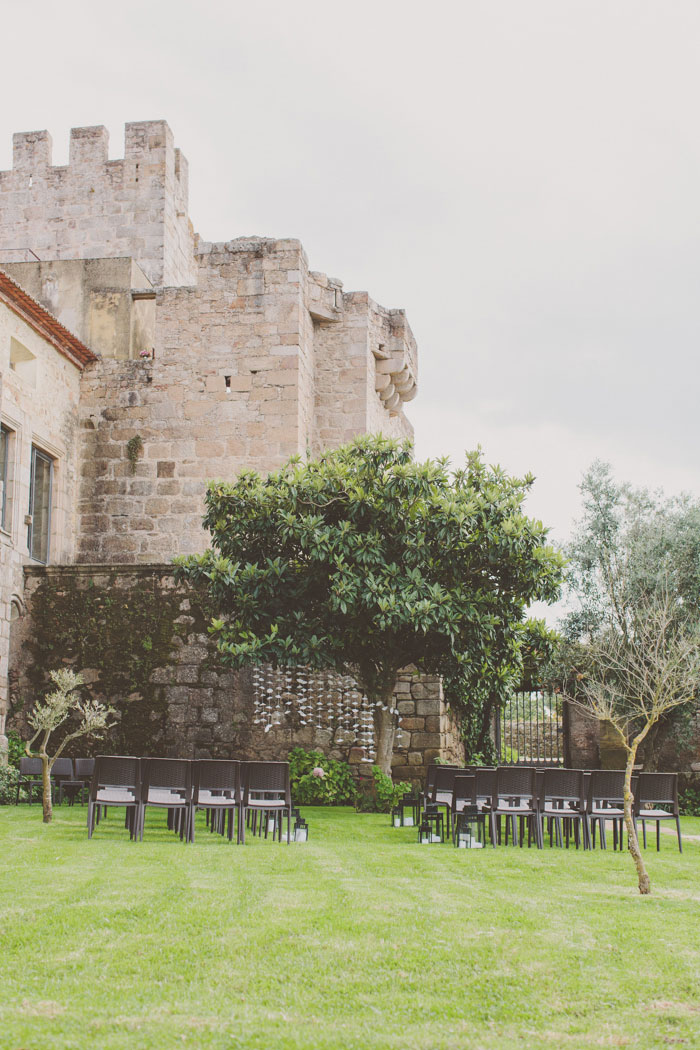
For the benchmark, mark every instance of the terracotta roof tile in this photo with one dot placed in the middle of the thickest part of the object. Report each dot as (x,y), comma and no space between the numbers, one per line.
(43,322)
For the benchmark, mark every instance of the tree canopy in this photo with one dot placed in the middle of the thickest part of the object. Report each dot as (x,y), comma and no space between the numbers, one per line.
(365,561)
(630,545)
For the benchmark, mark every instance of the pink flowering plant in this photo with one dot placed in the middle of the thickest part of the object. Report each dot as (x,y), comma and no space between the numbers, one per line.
(318,780)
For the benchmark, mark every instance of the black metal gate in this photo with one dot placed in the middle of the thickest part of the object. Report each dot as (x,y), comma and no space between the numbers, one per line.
(530,730)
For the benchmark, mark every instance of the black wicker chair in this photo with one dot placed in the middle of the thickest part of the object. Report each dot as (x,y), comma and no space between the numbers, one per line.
(30,777)
(266,792)
(442,790)
(116,782)
(63,780)
(515,798)
(604,802)
(84,768)
(166,783)
(654,791)
(217,790)
(463,796)
(562,802)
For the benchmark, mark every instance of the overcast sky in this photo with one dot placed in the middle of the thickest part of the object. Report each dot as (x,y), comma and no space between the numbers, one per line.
(522,176)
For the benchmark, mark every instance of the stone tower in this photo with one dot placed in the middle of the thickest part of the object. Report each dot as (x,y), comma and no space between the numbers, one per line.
(212,356)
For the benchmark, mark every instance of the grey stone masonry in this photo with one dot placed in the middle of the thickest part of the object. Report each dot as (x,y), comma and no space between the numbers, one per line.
(190,706)
(428,729)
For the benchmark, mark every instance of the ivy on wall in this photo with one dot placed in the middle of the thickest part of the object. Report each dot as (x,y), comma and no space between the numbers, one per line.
(118,636)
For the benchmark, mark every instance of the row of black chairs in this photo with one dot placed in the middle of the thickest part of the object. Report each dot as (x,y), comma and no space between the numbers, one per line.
(569,800)
(232,793)
(70,778)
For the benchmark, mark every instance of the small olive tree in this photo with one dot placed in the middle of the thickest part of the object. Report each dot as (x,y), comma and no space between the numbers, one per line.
(365,561)
(53,711)
(633,679)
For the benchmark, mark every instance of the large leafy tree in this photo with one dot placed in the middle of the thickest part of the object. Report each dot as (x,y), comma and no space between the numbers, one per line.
(365,561)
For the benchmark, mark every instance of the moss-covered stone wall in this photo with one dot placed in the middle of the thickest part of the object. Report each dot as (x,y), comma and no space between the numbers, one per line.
(140,640)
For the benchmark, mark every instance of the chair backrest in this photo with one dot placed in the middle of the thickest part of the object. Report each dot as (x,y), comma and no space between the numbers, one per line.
(62,769)
(516,782)
(660,788)
(561,785)
(464,790)
(272,777)
(432,773)
(485,783)
(444,779)
(122,771)
(430,779)
(84,768)
(173,774)
(29,767)
(217,774)
(605,785)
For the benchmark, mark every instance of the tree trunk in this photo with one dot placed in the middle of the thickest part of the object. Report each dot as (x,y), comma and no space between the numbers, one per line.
(46,784)
(384,732)
(632,840)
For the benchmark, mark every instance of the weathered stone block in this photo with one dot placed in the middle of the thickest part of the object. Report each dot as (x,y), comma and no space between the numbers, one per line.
(413,723)
(425,740)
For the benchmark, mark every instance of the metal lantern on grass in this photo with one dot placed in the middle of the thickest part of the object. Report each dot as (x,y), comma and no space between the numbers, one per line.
(396,817)
(469,829)
(425,833)
(301,830)
(435,821)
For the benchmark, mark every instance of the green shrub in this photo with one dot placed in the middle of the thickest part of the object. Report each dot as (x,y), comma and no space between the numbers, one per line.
(15,748)
(689,801)
(381,794)
(8,785)
(335,788)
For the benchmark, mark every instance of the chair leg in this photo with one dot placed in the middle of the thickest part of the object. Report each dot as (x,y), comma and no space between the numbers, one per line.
(658,836)
(678,831)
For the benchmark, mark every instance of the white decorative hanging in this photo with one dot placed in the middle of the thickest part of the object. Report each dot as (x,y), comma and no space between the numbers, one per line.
(322,699)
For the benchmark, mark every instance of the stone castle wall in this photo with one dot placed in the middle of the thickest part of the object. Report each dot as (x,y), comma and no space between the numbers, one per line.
(212,358)
(39,407)
(141,642)
(250,356)
(242,377)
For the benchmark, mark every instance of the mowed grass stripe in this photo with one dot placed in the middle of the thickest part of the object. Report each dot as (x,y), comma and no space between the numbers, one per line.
(358,938)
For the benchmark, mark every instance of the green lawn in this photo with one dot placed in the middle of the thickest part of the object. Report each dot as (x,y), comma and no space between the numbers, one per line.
(359,938)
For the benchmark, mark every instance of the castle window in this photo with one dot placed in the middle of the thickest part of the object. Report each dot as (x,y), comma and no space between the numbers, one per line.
(23,362)
(39,522)
(4,477)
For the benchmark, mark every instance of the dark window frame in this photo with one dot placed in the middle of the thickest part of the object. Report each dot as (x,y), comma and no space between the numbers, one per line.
(39,456)
(4,468)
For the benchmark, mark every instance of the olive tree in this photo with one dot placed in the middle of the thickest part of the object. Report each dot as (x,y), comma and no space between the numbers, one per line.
(631,553)
(52,712)
(364,561)
(633,678)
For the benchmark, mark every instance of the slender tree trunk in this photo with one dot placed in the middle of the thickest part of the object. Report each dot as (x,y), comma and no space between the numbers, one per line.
(632,840)
(485,746)
(46,785)
(384,732)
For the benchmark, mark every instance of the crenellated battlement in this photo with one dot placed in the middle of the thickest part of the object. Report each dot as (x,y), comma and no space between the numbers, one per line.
(96,207)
